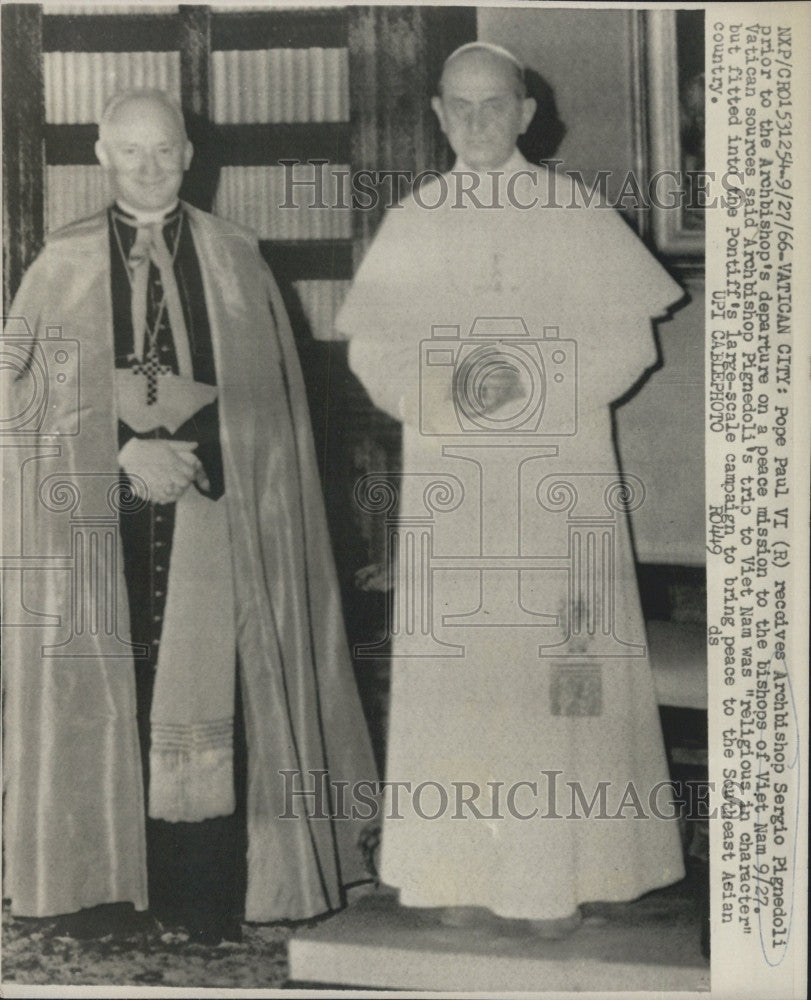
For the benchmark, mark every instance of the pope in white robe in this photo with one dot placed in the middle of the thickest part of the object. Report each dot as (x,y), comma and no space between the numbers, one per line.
(499,327)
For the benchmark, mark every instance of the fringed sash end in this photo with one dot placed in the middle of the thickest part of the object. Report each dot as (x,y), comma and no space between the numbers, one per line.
(192,772)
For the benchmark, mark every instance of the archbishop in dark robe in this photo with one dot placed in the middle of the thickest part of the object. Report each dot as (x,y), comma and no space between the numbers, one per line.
(214,610)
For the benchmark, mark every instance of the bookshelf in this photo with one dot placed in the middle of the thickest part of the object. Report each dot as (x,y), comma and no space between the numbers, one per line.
(347,86)
(257,87)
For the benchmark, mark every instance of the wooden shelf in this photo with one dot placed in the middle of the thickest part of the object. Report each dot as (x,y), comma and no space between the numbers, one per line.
(309,260)
(110,32)
(279,29)
(260,29)
(269,142)
(263,144)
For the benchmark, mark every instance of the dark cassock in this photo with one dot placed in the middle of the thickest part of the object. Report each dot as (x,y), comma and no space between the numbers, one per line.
(160,772)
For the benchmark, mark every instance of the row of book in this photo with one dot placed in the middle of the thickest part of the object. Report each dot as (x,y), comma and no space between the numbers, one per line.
(79,84)
(73,9)
(302,202)
(252,196)
(280,85)
(73,192)
(272,85)
(320,302)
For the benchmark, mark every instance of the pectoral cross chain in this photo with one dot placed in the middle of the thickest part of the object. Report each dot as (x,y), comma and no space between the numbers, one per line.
(150,367)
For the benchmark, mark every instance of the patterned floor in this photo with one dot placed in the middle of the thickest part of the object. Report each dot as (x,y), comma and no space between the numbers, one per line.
(34,954)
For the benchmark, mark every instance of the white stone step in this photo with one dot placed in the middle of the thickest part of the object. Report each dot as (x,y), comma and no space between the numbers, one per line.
(377,944)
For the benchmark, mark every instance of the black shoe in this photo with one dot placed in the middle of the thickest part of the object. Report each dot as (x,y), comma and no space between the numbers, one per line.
(120,920)
(214,930)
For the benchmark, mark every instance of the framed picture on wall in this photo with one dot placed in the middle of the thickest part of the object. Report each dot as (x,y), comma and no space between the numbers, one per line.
(675,83)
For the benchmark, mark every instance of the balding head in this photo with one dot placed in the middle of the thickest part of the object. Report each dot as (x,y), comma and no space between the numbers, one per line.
(143,99)
(483,108)
(143,147)
(484,52)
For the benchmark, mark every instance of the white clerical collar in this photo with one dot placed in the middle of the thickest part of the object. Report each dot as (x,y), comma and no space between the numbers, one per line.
(512,165)
(146,217)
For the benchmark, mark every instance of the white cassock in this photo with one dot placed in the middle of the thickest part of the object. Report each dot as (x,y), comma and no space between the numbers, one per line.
(519,659)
